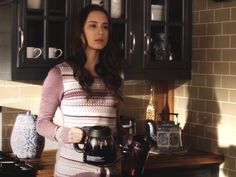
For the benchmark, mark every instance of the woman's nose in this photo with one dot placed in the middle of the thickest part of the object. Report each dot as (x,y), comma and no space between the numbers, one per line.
(100,30)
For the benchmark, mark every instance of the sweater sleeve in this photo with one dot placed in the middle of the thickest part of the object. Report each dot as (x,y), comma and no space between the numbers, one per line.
(52,93)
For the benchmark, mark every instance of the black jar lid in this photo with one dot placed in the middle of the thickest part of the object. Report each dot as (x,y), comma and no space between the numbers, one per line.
(99,131)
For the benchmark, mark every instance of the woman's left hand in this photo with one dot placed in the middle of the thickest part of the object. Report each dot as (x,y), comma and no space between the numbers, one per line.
(75,135)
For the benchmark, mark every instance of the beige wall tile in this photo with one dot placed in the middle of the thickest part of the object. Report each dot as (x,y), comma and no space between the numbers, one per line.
(222,15)
(195,67)
(198,105)
(230,163)
(199,80)
(222,42)
(232,68)
(29,91)
(198,55)
(233,41)
(193,92)
(229,3)
(206,16)
(206,42)
(221,94)
(205,93)
(204,144)
(195,17)
(211,132)
(199,5)
(214,28)
(233,13)
(184,103)
(179,91)
(214,5)
(221,68)
(205,68)
(229,27)
(213,107)
(195,42)
(199,29)
(8,92)
(229,82)
(229,55)
(232,95)
(213,81)
(228,108)
(205,119)
(197,130)
(213,55)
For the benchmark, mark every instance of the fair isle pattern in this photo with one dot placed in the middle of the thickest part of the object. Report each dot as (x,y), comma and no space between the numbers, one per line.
(100,109)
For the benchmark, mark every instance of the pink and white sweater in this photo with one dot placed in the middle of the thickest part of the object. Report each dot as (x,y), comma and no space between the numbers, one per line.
(60,89)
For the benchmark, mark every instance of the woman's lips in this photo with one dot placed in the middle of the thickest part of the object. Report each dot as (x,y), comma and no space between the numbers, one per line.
(99,40)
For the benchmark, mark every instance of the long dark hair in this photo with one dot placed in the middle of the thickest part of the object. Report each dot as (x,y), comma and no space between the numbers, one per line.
(109,65)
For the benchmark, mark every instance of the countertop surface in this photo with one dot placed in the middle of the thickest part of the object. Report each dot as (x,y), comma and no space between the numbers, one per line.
(45,164)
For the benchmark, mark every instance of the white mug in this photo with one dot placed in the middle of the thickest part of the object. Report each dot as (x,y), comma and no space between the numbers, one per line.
(32,52)
(116,8)
(54,52)
(98,2)
(34,4)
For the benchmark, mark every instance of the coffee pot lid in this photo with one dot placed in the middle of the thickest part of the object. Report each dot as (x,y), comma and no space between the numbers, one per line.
(99,131)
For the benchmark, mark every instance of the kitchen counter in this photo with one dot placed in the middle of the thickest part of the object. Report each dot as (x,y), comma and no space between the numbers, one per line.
(193,163)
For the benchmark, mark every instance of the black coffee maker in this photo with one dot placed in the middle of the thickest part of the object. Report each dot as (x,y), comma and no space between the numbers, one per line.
(99,146)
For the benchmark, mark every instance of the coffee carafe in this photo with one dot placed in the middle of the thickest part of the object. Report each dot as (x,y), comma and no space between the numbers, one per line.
(99,146)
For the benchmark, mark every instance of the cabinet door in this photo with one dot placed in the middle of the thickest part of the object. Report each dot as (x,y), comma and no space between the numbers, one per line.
(42,36)
(165,33)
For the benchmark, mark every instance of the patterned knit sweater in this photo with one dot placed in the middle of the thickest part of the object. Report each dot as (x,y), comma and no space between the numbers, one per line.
(60,89)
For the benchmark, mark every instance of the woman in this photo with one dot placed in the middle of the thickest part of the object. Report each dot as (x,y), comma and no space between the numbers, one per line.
(87,89)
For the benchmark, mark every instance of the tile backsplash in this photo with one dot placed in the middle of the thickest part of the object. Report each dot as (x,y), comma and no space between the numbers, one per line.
(7,119)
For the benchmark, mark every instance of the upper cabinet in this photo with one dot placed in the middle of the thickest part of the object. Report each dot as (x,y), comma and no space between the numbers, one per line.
(153,36)
(40,37)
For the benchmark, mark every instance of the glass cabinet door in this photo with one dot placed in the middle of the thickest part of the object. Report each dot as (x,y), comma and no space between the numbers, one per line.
(42,32)
(163,32)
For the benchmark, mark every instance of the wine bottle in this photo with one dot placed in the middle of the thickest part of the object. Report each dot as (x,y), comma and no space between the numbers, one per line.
(151,107)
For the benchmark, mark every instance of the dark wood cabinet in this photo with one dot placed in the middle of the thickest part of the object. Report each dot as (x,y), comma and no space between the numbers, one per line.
(163,46)
(151,49)
(40,35)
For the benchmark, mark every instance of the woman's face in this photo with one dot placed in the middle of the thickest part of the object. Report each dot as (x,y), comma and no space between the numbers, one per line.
(96,30)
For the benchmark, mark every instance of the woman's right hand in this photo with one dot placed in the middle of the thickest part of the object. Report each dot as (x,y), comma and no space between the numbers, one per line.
(75,135)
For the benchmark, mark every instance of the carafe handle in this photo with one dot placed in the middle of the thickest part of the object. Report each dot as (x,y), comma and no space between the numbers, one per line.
(77,145)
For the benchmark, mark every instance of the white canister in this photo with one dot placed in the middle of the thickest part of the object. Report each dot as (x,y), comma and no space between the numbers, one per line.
(35,4)
(25,141)
(116,8)
(157,12)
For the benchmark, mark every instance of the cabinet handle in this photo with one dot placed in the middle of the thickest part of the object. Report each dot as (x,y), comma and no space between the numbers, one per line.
(147,43)
(133,42)
(21,39)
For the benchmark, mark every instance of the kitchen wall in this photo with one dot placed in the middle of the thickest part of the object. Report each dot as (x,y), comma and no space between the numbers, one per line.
(207,103)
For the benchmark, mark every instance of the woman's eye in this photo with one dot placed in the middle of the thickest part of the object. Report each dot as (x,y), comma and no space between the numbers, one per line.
(105,27)
(92,26)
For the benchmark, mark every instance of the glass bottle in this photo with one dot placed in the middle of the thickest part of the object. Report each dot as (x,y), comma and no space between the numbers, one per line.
(151,107)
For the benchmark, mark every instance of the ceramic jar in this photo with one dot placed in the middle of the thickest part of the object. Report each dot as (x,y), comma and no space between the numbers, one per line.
(25,141)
